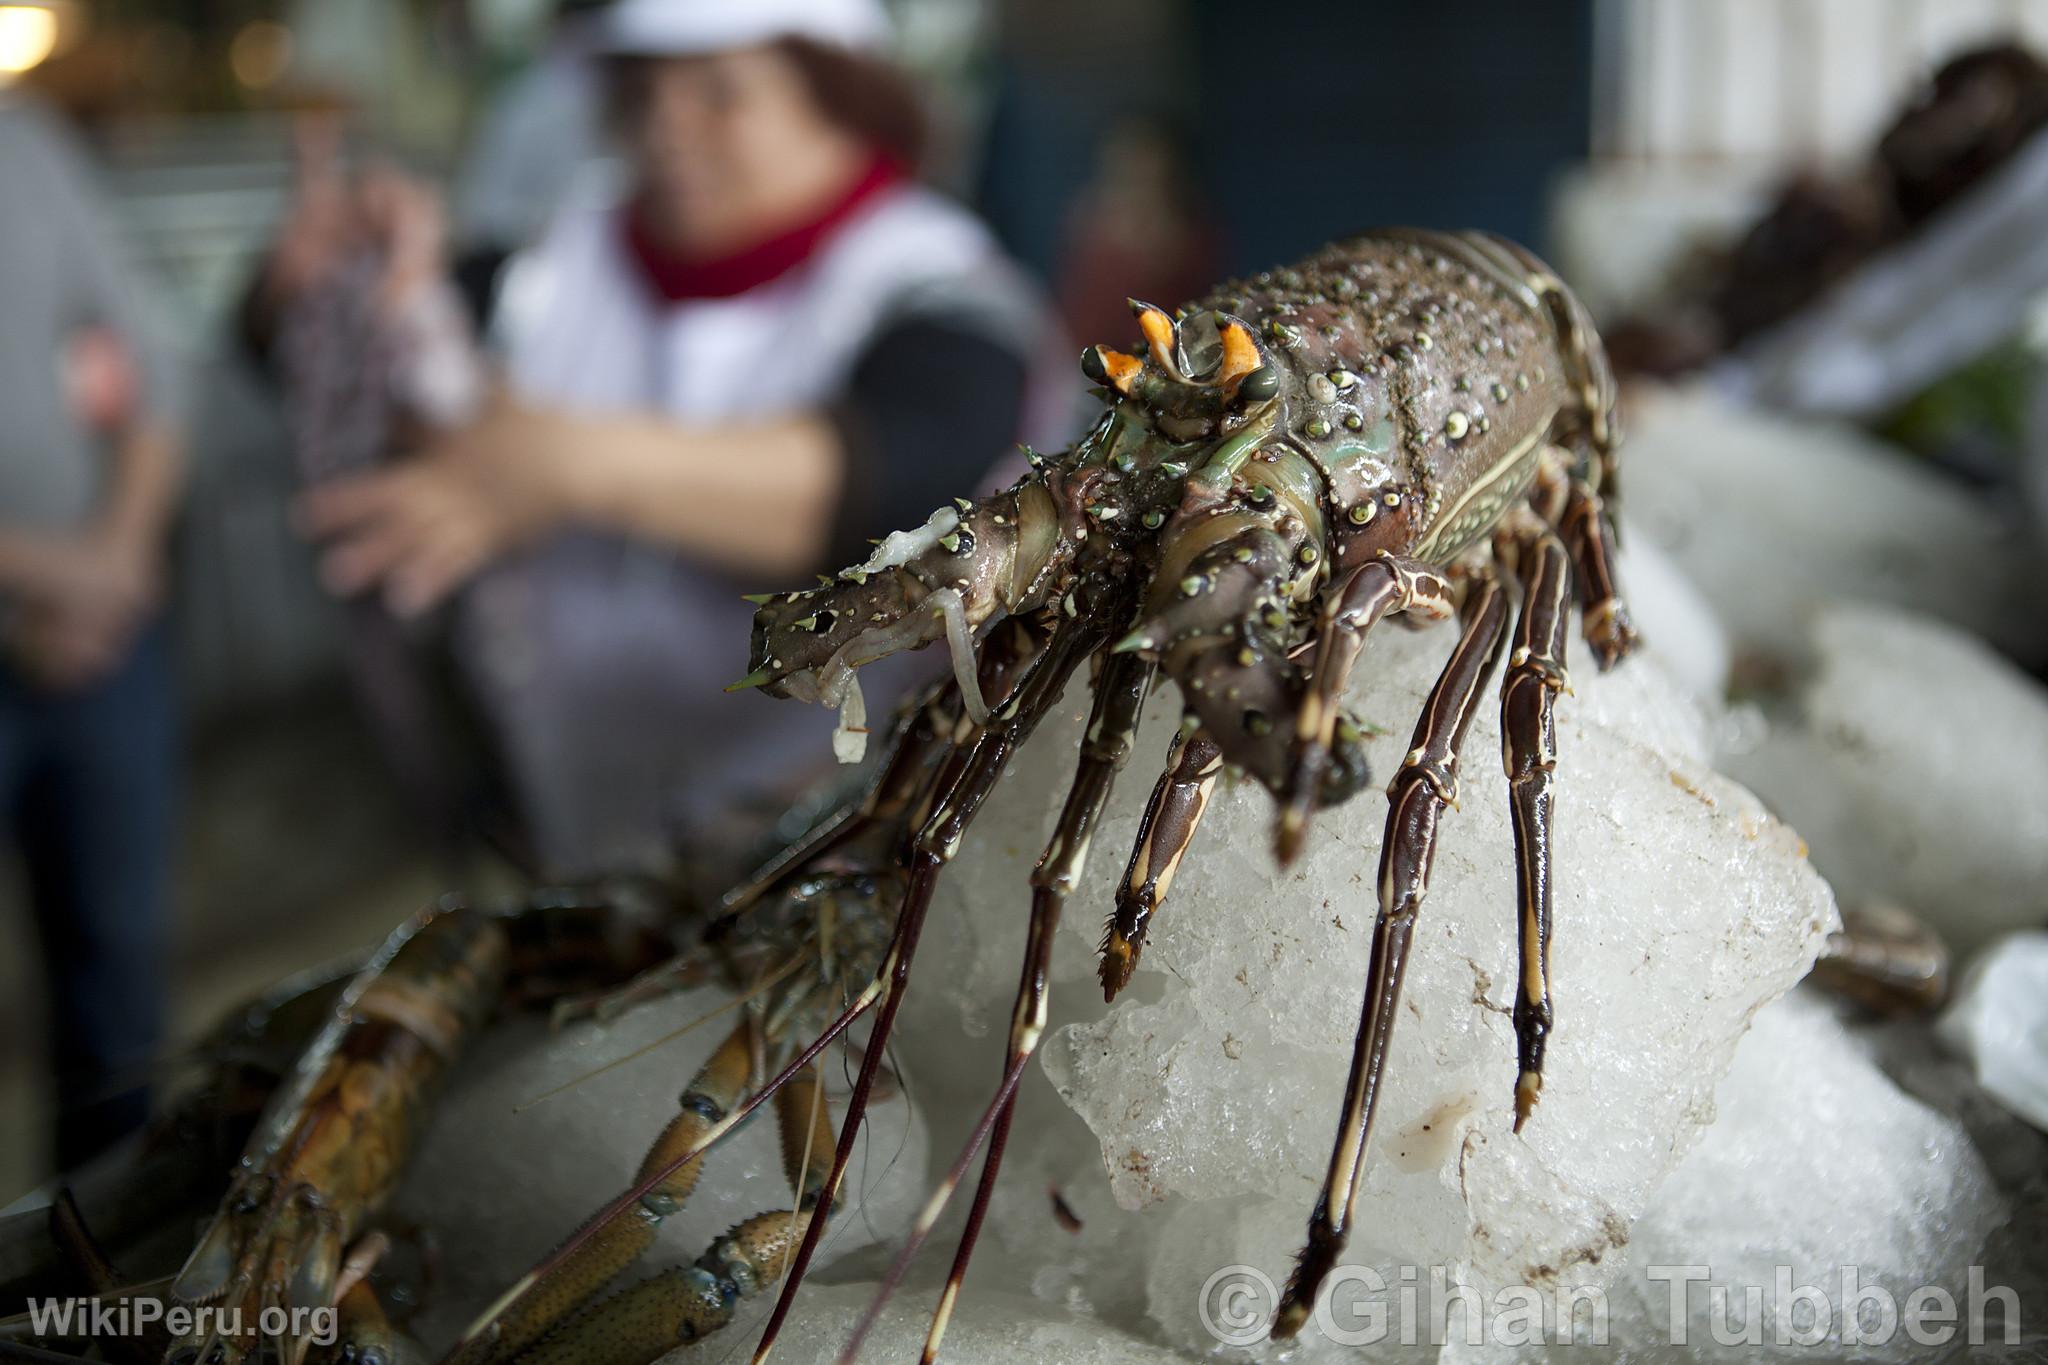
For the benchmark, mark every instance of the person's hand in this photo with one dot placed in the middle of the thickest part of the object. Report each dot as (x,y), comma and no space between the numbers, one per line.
(419,531)
(78,602)
(95,573)
(65,651)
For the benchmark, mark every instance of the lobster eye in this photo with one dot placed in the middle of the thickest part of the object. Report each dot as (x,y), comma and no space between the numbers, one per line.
(1092,366)
(1259,385)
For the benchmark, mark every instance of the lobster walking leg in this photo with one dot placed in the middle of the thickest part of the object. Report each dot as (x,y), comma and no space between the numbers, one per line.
(645,1321)
(1377,589)
(922,740)
(967,784)
(1529,750)
(1426,783)
(569,1279)
(1171,817)
(1105,747)
(363,1334)
(1589,533)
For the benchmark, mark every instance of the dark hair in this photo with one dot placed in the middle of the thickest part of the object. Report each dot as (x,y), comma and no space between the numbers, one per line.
(864,95)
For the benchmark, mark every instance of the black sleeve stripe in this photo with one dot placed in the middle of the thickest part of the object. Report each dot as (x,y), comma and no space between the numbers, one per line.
(929,408)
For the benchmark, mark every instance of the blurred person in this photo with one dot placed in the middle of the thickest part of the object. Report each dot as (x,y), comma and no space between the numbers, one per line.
(538,138)
(1138,230)
(90,463)
(769,348)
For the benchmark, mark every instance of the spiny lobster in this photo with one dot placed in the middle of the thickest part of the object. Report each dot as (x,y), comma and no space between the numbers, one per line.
(1409,423)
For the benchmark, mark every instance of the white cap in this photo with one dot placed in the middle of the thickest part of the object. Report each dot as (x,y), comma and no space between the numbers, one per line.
(682,28)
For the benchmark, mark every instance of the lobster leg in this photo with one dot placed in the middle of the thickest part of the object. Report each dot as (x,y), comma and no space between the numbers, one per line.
(1529,750)
(1426,783)
(479,1340)
(967,785)
(1171,817)
(571,1277)
(1378,588)
(645,1321)
(1589,532)
(363,1332)
(920,742)
(1105,747)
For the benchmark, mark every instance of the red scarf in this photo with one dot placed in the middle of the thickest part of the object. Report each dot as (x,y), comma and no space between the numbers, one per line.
(678,279)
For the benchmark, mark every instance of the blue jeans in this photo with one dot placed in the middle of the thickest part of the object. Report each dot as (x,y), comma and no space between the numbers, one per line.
(88,785)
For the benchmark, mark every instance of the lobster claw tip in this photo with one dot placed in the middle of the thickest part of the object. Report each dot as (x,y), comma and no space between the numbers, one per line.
(1119,960)
(1289,835)
(758,678)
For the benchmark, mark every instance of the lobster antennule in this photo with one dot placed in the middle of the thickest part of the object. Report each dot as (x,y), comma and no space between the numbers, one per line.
(1112,368)
(1161,336)
(1201,366)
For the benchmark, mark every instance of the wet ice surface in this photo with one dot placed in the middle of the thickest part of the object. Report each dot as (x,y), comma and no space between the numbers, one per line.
(1998,1021)
(1777,518)
(1006,1325)
(1817,1161)
(1210,1091)
(1915,760)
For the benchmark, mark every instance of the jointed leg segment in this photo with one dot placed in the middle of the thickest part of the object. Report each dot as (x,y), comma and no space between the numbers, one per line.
(1529,749)
(1376,590)
(1120,694)
(964,782)
(1589,533)
(1426,783)
(1174,812)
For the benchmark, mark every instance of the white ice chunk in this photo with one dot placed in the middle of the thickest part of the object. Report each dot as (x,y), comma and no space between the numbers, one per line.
(1776,518)
(1818,1163)
(1686,633)
(1999,1020)
(1211,1088)
(1918,769)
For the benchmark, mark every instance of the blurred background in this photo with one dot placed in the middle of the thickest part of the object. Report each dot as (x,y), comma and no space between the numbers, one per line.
(1702,171)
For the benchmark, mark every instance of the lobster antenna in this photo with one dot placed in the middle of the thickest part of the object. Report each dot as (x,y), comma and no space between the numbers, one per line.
(953,812)
(1119,699)
(751,993)
(997,1114)
(888,986)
